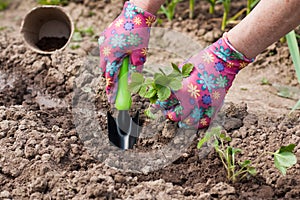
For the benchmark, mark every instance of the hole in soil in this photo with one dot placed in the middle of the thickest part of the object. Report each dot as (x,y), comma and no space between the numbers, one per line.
(51,43)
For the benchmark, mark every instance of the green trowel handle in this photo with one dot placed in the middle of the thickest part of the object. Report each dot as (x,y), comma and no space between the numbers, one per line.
(123,99)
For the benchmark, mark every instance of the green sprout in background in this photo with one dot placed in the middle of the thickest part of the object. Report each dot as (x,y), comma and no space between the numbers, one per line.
(169,9)
(294,51)
(212,6)
(53,2)
(3,4)
(192,9)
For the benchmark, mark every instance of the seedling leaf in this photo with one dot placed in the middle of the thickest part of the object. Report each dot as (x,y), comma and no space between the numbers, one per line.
(284,158)
(77,37)
(163,93)
(176,68)
(175,84)
(187,69)
(214,131)
(149,114)
(147,91)
(289,148)
(137,80)
(160,79)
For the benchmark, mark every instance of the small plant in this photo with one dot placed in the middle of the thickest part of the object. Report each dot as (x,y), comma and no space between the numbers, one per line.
(226,5)
(294,51)
(169,9)
(53,2)
(192,9)
(3,4)
(160,86)
(212,6)
(251,4)
(283,158)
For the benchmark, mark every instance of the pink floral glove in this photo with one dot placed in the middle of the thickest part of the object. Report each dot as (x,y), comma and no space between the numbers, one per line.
(204,90)
(127,35)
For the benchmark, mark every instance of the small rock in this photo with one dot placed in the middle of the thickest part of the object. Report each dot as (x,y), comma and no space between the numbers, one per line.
(204,196)
(46,157)
(119,178)
(209,36)
(232,124)
(5,194)
(265,192)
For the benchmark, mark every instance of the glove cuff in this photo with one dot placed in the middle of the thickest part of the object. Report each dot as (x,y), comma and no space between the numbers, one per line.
(228,55)
(131,11)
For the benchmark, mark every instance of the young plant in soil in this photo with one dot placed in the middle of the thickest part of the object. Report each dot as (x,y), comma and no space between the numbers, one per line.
(53,2)
(212,6)
(283,158)
(160,86)
(3,4)
(169,9)
(294,51)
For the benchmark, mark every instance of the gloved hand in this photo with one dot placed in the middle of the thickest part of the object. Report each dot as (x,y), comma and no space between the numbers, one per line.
(203,92)
(127,35)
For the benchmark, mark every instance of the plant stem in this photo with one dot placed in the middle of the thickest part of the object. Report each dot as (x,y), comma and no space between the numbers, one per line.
(224,21)
(294,51)
(192,8)
(212,9)
(249,2)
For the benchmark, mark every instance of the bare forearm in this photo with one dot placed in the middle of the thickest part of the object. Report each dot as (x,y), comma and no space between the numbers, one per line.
(266,24)
(151,6)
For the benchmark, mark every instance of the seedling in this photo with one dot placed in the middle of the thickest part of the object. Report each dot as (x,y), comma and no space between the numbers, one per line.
(169,9)
(160,86)
(251,4)
(265,81)
(226,5)
(192,9)
(212,6)
(283,158)
(53,2)
(3,4)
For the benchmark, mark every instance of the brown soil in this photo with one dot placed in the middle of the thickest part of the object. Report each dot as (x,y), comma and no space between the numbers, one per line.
(53,124)
(51,43)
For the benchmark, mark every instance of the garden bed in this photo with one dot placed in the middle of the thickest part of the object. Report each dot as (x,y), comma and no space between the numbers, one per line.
(53,127)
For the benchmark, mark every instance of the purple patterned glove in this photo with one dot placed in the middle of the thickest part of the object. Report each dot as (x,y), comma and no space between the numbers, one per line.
(203,92)
(127,35)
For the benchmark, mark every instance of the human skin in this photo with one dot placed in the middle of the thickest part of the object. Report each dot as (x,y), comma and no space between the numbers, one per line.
(267,23)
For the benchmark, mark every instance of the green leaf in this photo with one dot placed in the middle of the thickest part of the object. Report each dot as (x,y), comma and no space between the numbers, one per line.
(245,164)
(175,68)
(149,114)
(289,148)
(214,131)
(187,69)
(284,160)
(296,107)
(151,91)
(147,91)
(77,37)
(136,83)
(252,171)
(160,79)
(163,93)
(175,84)
(154,99)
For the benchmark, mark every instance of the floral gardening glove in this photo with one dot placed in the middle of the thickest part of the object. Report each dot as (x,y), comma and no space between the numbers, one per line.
(203,92)
(127,35)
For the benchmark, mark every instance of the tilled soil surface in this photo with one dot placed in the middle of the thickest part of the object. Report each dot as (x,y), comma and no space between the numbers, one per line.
(53,124)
